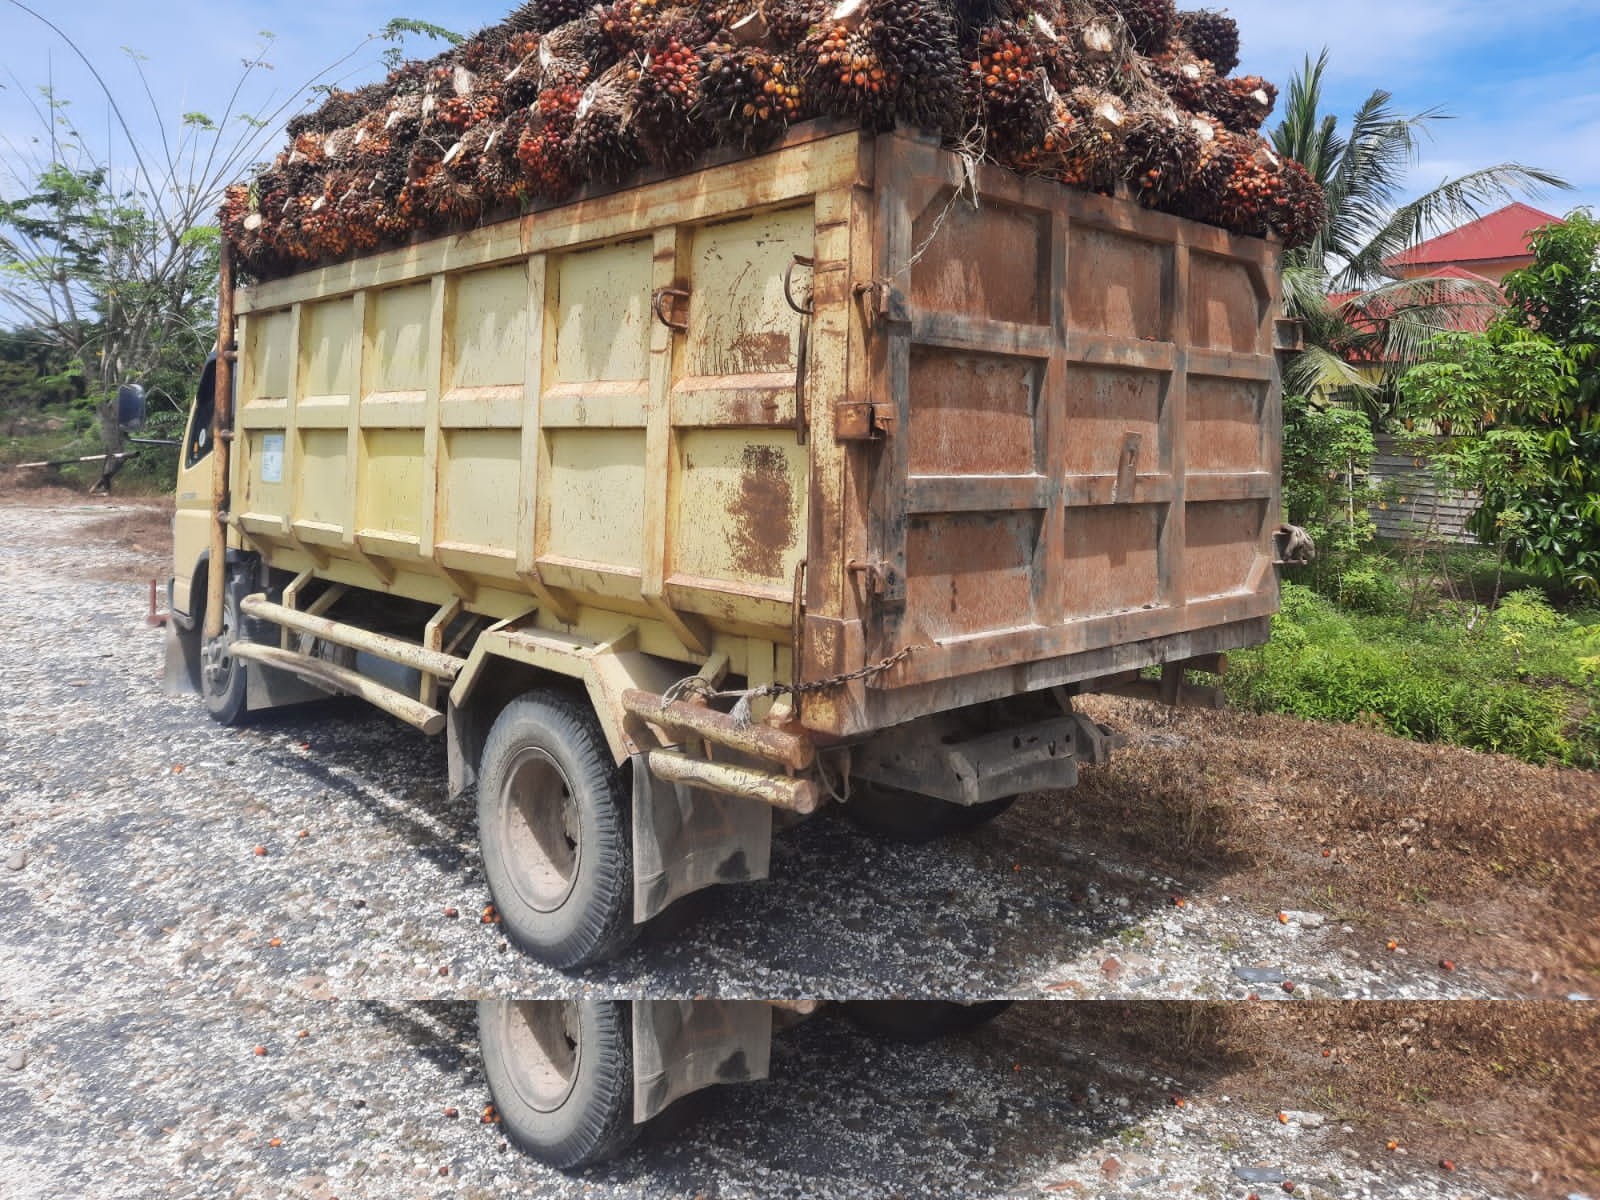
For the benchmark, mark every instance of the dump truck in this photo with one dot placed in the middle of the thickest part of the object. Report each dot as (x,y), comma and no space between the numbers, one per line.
(573,1082)
(830,475)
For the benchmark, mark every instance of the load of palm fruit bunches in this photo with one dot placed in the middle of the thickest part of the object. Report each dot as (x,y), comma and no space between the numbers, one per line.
(1115,96)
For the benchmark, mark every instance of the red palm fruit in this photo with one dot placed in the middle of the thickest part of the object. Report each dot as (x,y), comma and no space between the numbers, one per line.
(664,100)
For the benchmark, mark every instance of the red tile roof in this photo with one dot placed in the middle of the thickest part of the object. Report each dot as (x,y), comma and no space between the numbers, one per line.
(1501,234)
(1467,316)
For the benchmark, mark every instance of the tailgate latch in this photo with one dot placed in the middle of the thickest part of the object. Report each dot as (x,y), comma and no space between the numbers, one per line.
(861,421)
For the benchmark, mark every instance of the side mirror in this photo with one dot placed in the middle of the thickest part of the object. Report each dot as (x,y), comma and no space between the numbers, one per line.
(130,408)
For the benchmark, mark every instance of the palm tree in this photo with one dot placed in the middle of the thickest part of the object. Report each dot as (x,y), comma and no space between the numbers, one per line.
(1351,310)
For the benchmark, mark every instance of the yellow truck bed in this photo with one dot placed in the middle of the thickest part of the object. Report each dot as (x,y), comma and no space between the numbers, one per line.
(804,410)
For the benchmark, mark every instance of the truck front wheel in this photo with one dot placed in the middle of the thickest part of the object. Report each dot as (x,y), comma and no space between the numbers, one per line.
(561,1076)
(222,676)
(555,830)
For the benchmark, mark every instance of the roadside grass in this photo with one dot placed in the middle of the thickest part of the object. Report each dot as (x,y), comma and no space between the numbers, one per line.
(1520,679)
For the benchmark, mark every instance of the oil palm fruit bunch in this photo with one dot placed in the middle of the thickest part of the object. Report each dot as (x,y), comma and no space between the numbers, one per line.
(1242,104)
(500,178)
(1009,94)
(407,79)
(1255,189)
(1149,22)
(541,16)
(461,113)
(575,53)
(603,145)
(1050,156)
(483,52)
(1160,152)
(1302,207)
(338,108)
(1200,197)
(1095,151)
(664,100)
(523,76)
(1214,36)
(748,95)
(629,24)
(1189,80)
(544,149)
(975,16)
(847,75)
(918,43)
(788,21)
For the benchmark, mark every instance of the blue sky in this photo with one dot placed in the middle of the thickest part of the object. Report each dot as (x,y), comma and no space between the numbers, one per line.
(1523,79)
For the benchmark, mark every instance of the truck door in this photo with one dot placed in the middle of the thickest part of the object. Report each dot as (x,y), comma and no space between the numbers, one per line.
(191,523)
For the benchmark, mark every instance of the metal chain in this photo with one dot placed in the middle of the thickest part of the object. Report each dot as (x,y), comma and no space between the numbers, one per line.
(698,686)
(832,681)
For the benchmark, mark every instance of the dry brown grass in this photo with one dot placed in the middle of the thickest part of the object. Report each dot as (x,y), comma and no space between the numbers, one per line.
(1490,859)
(1504,1087)
(1499,1088)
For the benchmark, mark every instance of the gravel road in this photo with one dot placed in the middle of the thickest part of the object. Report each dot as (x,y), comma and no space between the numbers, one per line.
(130,1104)
(132,823)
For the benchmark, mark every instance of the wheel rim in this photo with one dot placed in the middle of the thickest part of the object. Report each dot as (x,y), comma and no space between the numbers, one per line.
(216,657)
(539,823)
(543,1050)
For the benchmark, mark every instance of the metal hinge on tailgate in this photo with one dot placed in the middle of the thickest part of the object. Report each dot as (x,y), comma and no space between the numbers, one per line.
(862,421)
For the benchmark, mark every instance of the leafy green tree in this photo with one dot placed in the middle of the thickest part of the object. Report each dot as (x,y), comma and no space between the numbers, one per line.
(1382,321)
(1516,409)
(110,253)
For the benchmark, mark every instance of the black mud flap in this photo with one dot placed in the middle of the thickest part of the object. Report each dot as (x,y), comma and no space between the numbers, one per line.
(681,1046)
(685,839)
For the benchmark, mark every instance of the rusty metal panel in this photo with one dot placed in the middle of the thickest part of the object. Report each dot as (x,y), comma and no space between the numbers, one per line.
(1084,453)
(739,321)
(975,413)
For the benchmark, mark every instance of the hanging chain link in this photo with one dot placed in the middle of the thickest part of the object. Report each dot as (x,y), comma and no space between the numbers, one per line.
(695,685)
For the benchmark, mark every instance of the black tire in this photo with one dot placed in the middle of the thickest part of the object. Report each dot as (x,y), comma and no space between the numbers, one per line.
(921,1020)
(561,1076)
(555,827)
(902,816)
(223,685)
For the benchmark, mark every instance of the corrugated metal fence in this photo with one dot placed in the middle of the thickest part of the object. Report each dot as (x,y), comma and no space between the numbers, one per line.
(1414,505)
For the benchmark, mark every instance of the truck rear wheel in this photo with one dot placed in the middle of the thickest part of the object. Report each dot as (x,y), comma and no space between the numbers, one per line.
(222,676)
(561,1076)
(555,829)
(902,816)
(921,1020)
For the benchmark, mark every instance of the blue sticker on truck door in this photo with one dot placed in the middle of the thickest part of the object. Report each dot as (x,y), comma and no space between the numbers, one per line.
(272,458)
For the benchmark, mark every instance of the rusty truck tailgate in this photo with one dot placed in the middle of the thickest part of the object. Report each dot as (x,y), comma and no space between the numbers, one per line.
(1081,469)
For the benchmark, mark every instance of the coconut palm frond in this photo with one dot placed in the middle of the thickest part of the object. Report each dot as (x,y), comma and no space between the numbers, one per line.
(1318,370)
(1451,203)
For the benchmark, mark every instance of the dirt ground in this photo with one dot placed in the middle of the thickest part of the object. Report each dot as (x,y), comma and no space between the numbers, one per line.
(1456,856)
(1218,855)
(1084,1099)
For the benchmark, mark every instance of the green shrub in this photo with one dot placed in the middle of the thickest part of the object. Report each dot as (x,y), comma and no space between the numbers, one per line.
(1519,683)
(1370,587)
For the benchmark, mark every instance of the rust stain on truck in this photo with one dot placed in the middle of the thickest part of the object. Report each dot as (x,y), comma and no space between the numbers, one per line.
(763,514)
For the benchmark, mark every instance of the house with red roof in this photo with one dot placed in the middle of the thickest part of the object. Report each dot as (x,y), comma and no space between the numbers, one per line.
(1489,248)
